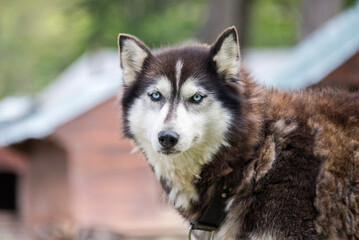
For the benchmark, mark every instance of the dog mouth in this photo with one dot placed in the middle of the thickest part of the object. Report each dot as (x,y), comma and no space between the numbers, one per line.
(169,152)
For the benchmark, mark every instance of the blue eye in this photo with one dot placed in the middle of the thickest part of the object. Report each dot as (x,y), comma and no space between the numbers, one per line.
(156,96)
(197,98)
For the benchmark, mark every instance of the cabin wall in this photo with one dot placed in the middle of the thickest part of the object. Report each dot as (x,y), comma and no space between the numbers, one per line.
(45,185)
(345,77)
(14,177)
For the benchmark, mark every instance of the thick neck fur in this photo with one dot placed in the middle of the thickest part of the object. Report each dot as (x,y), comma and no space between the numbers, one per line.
(191,179)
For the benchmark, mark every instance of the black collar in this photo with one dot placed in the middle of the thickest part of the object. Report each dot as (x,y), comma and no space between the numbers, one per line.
(213,215)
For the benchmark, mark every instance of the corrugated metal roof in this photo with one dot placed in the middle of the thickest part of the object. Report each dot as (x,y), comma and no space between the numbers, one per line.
(91,80)
(319,54)
(15,108)
(263,61)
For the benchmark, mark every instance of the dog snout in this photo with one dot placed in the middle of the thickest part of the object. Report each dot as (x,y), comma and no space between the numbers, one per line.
(168,139)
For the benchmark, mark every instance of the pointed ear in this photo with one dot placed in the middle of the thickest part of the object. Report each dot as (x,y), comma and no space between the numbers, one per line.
(132,56)
(225,53)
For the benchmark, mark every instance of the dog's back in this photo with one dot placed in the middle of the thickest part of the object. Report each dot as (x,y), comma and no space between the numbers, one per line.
(334,117)
(314,136)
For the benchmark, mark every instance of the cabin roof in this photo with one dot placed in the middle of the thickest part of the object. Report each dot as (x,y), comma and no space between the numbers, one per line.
(320,53)
(92,79)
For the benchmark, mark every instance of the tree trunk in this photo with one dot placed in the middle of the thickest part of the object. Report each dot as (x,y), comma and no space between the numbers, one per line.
(226,13)
(316,12)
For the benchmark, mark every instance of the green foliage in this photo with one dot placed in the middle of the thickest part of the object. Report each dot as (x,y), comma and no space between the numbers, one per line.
(39,39)
(274,23)
(349,3)
(153,21)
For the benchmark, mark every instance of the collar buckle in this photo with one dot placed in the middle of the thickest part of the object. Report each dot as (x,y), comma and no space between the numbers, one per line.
(213,215)
(193,227)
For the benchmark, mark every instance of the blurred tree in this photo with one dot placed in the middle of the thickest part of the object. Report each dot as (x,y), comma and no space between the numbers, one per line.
(316,12)
(259,22)
(38,38)
(223,14)
(349,3)
(274,23)
(154,21)
(269,22)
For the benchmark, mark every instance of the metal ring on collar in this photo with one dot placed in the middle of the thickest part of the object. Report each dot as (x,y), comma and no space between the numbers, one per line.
(190,230)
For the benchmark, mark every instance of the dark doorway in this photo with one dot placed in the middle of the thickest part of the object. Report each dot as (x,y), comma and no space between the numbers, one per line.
(8,191)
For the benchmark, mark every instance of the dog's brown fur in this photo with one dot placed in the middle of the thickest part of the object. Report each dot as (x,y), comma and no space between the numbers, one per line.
(304,150)
(301,148)
(293,166)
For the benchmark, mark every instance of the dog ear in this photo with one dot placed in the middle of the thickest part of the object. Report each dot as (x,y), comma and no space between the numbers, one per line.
(132,57)
(225,53)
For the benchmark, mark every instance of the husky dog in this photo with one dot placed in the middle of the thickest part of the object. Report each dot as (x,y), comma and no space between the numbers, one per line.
(234,157)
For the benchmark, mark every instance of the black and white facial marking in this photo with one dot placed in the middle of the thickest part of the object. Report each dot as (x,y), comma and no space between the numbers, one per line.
(177,108)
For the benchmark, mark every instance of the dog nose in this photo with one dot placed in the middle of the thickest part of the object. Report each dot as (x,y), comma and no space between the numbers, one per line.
(168,139)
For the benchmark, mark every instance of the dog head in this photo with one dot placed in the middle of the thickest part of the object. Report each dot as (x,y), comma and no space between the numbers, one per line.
(181,99)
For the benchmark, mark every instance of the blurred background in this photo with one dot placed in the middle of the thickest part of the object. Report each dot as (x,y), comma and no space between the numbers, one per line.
(65,170)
